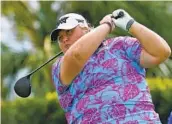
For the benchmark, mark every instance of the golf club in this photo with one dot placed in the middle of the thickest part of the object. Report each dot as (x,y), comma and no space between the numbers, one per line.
(22,86)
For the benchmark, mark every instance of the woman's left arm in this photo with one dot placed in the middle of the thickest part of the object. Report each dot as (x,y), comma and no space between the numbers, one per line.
(155,48)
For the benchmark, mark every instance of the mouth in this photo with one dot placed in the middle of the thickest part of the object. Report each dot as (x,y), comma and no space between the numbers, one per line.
(67,46)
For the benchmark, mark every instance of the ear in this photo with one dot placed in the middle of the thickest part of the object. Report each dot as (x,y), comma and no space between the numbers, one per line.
(86,30)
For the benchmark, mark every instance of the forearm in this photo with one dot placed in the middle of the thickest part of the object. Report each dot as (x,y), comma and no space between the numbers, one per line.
(87,44)
(150,41)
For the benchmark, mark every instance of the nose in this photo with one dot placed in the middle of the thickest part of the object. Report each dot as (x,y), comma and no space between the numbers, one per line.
(64,39)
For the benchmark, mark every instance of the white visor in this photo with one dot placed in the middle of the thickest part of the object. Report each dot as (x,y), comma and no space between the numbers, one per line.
(67,22)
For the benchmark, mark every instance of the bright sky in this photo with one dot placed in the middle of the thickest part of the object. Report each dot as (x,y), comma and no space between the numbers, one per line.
(8,30)
(8,36)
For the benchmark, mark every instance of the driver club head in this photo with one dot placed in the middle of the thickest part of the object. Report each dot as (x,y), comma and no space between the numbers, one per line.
(23,86)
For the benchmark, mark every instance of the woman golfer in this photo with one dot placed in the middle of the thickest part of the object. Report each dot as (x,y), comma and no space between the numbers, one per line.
(102,81)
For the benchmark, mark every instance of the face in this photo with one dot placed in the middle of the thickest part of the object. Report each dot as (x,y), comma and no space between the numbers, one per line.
(67,38)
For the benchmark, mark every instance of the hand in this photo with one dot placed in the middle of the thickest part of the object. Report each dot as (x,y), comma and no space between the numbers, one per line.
(124,21)
(108,20)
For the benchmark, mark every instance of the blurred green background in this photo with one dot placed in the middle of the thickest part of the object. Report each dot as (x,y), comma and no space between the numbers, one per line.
(25,45)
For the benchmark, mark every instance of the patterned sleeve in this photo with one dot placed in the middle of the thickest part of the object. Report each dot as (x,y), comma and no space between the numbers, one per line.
(131,46)
(56,77)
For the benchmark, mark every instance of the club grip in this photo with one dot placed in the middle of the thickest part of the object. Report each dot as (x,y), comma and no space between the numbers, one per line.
(121,14)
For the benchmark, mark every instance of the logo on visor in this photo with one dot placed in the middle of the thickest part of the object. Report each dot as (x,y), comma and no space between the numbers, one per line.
(79,20)
(63,20)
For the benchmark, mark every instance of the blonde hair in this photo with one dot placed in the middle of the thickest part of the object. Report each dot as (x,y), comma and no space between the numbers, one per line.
(88,29)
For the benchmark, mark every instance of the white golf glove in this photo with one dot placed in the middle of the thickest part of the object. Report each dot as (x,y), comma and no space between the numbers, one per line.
(124,22)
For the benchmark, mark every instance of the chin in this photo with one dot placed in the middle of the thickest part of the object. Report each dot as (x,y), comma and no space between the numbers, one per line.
(64,51)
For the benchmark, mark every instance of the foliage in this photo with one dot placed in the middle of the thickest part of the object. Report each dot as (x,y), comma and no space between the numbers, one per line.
(30,22)
(161,91)
(32,25)
(12,62)
(33,110)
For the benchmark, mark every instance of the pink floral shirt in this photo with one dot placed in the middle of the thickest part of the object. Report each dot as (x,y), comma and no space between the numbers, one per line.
(111,88)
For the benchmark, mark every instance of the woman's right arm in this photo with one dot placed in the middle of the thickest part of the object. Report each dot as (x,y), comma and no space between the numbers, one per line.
(78,54)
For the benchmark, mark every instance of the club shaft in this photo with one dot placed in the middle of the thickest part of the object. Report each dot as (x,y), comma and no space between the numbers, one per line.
(45,63)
